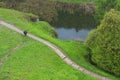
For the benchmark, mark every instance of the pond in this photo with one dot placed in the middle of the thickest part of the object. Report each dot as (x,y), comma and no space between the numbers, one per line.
(75,26)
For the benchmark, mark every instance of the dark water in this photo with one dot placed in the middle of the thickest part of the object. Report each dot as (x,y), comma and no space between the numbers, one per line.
(75,26)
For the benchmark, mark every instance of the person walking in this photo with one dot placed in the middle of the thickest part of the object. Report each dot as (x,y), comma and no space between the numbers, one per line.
(25,32)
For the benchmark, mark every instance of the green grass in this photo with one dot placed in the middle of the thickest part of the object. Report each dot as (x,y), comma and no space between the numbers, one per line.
(34,61)
(5,46)
(75,50)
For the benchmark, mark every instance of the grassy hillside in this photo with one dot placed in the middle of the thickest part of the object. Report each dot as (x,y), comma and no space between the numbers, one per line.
(75,50)
(33,60)
(5,42)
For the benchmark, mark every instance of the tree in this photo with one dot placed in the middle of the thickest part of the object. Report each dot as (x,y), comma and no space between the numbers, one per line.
(12,3)
(104,6)
(104,43)
(43,8)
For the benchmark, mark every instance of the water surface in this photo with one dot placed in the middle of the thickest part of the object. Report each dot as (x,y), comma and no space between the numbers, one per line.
(75,26)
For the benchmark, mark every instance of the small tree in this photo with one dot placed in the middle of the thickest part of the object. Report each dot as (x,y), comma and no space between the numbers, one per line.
(104,43)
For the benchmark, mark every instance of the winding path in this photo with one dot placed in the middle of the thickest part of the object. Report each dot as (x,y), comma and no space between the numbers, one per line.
(57,50)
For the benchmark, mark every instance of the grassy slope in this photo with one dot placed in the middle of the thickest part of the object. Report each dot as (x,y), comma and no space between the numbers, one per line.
(6,46)
(34,61)
(75,50)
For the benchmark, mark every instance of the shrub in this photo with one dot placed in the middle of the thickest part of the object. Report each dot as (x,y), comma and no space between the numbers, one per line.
(103,6)
(104,43)
(2,4)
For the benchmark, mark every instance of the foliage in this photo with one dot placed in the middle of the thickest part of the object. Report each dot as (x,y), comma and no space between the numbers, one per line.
(12,3)
(49,10)
(117,5)
(76,1)
(2,4)
(43,8)
(104,43)
(104,6)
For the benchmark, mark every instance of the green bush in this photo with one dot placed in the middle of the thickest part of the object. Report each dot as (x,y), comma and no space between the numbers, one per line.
(103,6)
(104,43)
(2,4)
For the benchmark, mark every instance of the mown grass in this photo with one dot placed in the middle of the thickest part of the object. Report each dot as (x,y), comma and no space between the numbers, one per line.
(34,61)
(5,41)
(75,50)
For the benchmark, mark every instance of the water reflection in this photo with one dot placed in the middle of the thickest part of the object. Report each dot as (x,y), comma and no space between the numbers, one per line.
(73,26)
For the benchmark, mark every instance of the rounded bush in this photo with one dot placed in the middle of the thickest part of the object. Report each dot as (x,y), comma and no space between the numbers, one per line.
(104,43)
